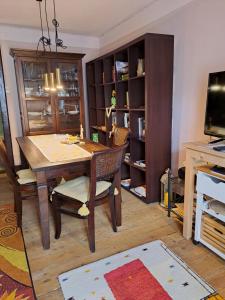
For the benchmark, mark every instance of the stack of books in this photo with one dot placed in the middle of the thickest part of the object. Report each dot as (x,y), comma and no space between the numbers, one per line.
(139,191)
(140,163)
(126,182)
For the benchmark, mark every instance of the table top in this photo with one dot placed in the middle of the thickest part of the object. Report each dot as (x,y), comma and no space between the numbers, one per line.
(38,161)
(205,147)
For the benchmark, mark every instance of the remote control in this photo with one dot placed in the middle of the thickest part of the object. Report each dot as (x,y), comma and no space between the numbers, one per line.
(219,148)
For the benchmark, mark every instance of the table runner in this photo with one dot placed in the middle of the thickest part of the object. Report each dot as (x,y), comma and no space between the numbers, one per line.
(51,147)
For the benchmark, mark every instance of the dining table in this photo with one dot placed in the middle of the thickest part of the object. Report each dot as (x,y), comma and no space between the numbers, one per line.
(51,156)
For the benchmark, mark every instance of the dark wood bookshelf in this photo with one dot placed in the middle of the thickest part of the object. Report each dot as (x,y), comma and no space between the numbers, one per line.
(146,98)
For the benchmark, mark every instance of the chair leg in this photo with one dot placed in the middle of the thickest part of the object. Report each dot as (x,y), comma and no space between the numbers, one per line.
(18,206)
(57,217)
(113,211)
(91,229)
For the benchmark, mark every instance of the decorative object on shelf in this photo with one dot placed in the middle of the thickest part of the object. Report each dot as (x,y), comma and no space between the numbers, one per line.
(122,70)
(95,137)
(140,67)
(46,42)
(112,130)
(113,99)
(164,188)
(108,111)
(81,132)
(127,100)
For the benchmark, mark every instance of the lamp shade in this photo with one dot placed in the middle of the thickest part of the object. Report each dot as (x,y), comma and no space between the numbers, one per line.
(58,79)
(46,83)
(52,82)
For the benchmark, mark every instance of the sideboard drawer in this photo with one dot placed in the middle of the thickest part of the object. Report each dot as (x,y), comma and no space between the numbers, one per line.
(211,186)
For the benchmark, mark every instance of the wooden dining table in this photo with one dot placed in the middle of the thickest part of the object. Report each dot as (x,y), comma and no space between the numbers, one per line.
(46,169)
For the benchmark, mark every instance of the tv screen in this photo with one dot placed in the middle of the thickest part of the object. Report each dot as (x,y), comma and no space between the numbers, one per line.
(215,107)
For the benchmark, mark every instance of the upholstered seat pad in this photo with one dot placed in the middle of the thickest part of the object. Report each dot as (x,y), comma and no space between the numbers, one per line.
(78,188)
(26,176)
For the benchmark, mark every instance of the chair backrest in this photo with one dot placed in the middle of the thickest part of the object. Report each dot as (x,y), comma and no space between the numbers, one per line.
(120,136)
(105,164)
(4,161)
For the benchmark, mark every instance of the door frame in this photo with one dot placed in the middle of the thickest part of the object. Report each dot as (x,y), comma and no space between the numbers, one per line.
(5,115)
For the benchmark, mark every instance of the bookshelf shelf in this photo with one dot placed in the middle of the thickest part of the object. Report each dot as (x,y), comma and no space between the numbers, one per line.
(137,77)
(143,103)
(131,164)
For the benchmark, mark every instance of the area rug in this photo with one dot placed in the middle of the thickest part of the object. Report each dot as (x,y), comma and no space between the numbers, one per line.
(15,279)
(147,272)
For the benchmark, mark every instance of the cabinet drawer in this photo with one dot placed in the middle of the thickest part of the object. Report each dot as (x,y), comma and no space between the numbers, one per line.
(211,186)
(213,232)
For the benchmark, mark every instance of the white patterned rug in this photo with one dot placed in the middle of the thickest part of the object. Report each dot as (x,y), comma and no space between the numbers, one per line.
(147,272)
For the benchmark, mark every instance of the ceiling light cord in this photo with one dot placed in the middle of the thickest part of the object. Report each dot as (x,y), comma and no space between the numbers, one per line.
(43,40)
(46,41)
(58,41)
(46,17)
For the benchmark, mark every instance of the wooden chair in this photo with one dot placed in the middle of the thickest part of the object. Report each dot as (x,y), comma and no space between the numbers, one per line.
(120,136)
(90,191)
(23,182)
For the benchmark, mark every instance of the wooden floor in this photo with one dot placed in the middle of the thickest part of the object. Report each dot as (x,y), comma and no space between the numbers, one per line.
(141,223)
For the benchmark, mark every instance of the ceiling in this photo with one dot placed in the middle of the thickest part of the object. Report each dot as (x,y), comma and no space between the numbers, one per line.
(85,17)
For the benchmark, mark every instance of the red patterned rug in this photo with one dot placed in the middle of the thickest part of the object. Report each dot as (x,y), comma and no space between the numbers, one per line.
(15,278)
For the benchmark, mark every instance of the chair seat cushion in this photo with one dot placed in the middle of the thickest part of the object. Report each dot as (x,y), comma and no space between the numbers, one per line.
(26,176)
(78,188)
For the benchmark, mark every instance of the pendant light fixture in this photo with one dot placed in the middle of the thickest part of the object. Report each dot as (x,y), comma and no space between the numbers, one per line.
(49,79)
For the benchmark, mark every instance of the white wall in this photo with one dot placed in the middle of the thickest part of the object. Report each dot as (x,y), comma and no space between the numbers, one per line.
(199,49)
(17,37)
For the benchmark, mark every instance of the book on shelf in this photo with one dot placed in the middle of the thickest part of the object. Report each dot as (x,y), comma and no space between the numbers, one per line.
(141,127)
(139,191)
(126,120)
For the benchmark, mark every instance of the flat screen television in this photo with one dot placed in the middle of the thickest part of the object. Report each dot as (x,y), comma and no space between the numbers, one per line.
(215,106)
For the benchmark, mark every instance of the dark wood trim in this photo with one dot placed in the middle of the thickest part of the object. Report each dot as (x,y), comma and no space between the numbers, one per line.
(41,54)
(5,116)
(127,45)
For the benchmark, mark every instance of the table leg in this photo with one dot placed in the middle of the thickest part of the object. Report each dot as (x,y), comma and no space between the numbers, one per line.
(188,195)
(118,199)
(43,208)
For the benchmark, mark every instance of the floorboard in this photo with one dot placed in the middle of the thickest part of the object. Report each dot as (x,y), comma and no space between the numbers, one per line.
(141,223)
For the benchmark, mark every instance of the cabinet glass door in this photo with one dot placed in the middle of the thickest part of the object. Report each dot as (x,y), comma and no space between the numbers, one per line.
(68,97)
(69,79)
(68,114)
(33,78)
(39,116)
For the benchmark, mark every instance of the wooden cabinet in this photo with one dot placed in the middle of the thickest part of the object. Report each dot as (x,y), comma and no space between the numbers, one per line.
(49,111)
(141,73)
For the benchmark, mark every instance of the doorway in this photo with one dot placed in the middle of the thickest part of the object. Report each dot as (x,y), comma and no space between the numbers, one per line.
(4,117)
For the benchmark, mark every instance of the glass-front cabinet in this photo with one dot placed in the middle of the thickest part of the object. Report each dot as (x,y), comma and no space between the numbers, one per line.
(50,87)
